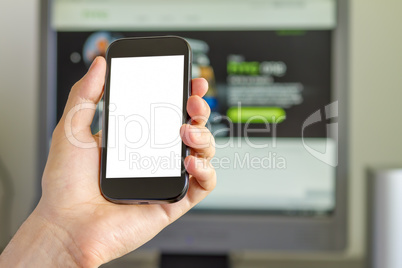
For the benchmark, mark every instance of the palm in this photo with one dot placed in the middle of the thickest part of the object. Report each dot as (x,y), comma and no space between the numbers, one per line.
(71,193)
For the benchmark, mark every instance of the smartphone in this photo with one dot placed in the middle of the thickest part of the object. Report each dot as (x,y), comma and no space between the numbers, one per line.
(148,82)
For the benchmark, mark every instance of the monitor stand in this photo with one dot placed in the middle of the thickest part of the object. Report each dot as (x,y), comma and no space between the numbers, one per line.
(194,261)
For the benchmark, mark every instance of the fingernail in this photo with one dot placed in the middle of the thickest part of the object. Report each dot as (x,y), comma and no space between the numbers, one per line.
(92,64)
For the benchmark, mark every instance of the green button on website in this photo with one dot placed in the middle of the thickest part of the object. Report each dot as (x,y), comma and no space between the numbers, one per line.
(256,114)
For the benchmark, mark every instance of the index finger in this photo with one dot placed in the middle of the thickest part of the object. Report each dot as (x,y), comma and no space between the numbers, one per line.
(199,87)
(197,107)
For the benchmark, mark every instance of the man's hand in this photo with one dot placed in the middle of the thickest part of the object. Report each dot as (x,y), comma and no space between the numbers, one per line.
(73,222)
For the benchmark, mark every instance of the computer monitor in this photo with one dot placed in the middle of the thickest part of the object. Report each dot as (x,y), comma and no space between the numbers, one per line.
(276,72)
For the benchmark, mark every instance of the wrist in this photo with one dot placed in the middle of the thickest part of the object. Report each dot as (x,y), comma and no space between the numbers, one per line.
(40,243)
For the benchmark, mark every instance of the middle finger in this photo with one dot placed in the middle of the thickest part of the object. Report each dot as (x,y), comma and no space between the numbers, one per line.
(199,139)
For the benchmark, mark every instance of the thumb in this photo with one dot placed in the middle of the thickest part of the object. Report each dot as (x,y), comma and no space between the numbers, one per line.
(84,95)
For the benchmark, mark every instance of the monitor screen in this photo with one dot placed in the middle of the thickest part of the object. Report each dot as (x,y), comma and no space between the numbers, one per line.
(269,89)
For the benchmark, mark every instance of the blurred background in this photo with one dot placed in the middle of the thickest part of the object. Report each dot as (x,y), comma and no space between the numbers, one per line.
(288,57)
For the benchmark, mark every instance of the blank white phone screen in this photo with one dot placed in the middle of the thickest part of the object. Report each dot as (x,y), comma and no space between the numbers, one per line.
(145,116)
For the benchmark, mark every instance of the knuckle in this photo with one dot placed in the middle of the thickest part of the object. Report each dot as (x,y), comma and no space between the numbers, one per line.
(211,151)
(75,87)
(56,131)
(208,108)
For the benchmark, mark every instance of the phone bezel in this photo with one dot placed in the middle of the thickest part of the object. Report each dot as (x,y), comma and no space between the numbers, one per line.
(145,190)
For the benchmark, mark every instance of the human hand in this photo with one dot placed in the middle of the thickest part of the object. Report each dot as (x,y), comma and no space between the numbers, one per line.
(90,230)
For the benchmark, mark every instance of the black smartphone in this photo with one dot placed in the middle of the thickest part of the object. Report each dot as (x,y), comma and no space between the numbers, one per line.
(148,82)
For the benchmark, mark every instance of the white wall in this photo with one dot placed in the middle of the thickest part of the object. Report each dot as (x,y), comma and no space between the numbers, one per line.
(375,99)
(19,29)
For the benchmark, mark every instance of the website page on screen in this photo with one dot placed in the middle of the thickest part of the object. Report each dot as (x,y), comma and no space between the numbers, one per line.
(272,109)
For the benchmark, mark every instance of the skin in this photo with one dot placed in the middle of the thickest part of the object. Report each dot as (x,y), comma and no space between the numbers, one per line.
(73,225)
